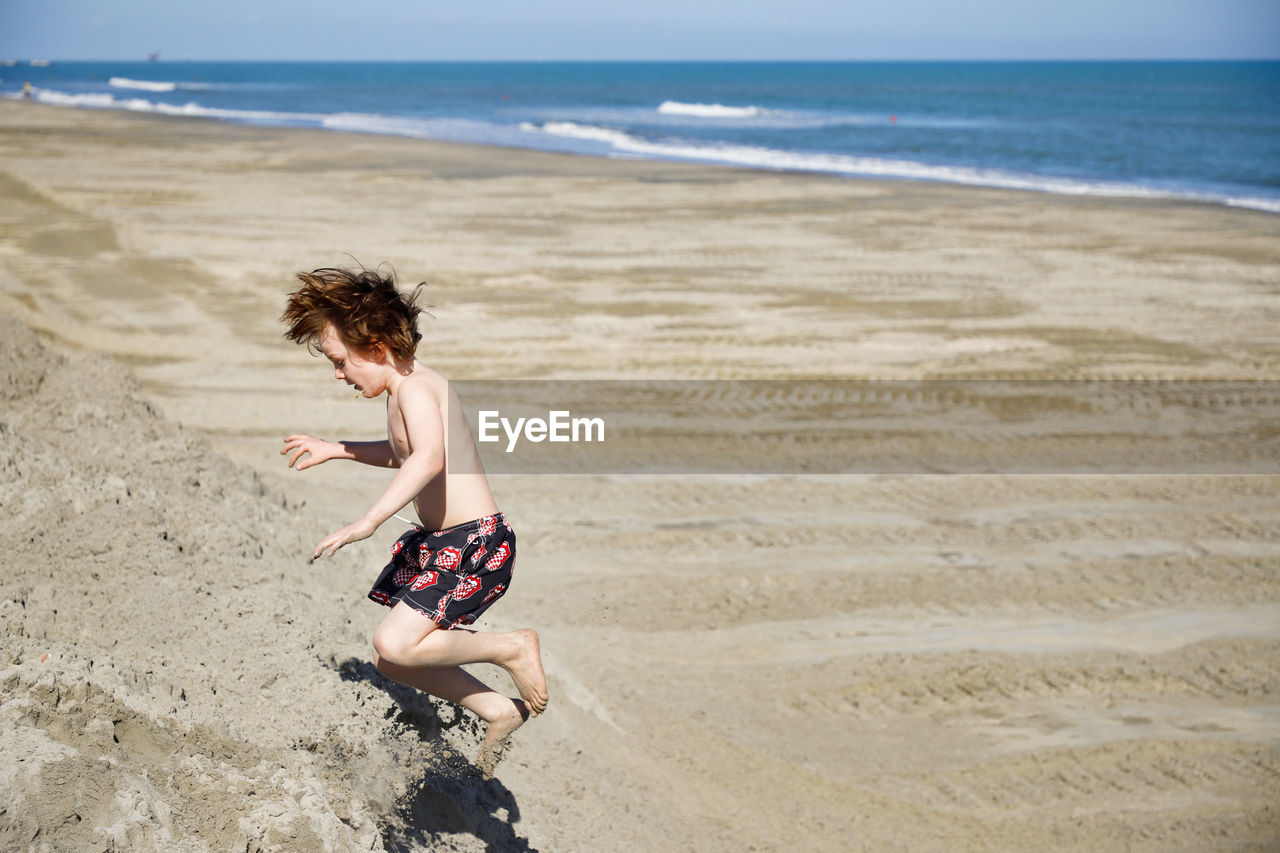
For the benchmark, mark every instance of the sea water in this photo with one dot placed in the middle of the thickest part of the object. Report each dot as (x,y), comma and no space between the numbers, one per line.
(1197,130)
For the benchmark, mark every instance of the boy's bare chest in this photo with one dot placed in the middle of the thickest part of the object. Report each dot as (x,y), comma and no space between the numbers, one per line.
(397,434)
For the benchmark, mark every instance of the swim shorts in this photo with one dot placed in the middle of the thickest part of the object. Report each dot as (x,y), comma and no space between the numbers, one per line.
(450,576)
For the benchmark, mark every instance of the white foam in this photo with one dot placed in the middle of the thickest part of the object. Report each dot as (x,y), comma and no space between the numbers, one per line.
(193,109)
(1251,202)
(95,100)
(677,108)
(616,138)
(145,85)
(877,167)
(169,86)
(105,100)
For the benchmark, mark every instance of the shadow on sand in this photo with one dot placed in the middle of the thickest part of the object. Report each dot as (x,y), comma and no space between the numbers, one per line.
(450,797)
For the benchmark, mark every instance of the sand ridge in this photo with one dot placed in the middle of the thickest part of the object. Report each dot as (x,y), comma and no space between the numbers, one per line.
(170,679)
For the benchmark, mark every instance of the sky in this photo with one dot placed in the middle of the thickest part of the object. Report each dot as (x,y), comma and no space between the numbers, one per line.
(655,29)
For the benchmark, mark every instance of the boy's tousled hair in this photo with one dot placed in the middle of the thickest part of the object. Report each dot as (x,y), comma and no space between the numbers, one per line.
(364,307)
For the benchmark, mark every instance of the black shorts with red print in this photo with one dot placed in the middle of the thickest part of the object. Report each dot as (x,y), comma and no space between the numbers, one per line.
(450,576)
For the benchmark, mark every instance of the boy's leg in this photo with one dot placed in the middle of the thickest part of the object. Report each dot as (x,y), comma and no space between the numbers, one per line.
(408,639)
(453,684)
(502,715)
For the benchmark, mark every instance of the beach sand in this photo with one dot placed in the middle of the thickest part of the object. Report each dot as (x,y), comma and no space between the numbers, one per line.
(736,663)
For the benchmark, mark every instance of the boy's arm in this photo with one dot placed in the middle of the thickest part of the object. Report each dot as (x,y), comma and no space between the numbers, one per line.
(375,453)
(425,426)
(317,450)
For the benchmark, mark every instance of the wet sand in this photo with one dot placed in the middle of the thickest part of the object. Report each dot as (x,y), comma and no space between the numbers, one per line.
(766,662)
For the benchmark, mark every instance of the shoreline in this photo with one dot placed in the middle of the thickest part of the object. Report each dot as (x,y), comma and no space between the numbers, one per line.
(841,166)
(898,280)
(482,149)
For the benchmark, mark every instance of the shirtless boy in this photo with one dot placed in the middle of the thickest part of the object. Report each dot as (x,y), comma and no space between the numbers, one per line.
(447,571)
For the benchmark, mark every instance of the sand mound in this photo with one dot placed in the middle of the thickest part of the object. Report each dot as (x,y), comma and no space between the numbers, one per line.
(173,678)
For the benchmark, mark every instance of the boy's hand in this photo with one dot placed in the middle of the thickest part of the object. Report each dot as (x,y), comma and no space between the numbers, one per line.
(362,529)
(320,450)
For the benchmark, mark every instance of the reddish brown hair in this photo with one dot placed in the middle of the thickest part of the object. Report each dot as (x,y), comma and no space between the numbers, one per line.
(364,307)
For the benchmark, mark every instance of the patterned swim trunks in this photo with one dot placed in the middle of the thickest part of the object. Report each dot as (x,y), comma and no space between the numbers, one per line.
(450,576)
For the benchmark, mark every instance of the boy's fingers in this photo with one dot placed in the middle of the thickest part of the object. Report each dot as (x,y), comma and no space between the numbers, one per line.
(326,548)
(330,546)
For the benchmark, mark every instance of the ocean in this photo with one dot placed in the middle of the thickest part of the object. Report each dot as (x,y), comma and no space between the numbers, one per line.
(1208,131)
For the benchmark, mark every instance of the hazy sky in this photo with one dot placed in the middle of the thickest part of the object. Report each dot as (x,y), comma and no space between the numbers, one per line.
(655,29)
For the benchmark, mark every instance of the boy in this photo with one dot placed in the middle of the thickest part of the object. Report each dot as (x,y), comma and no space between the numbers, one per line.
(446,572)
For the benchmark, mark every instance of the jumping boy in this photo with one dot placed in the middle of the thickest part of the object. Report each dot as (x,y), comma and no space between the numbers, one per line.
(447,571)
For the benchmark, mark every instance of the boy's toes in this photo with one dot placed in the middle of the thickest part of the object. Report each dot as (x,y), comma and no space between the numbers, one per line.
(535,701)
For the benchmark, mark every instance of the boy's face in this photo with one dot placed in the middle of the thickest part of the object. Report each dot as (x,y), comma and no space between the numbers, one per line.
(352,365)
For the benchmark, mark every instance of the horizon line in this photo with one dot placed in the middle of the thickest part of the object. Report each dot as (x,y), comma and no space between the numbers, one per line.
(22,61)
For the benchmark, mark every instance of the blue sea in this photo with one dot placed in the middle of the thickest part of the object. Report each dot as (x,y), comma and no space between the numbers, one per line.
(1197,130)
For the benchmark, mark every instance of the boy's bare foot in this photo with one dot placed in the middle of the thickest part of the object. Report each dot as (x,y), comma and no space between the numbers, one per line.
(525,667)
(497,737)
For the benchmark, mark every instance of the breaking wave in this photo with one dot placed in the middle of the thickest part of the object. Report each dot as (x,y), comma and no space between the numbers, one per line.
(678,108)
(144,85)
(874,167)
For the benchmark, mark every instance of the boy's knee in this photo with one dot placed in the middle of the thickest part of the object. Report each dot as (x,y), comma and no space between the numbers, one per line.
(385,666)
(388,649)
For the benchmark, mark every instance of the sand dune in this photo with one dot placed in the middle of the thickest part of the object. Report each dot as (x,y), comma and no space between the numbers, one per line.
(173,679)
(770,662)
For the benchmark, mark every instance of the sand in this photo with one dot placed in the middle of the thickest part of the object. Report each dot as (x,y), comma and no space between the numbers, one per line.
(772,662)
